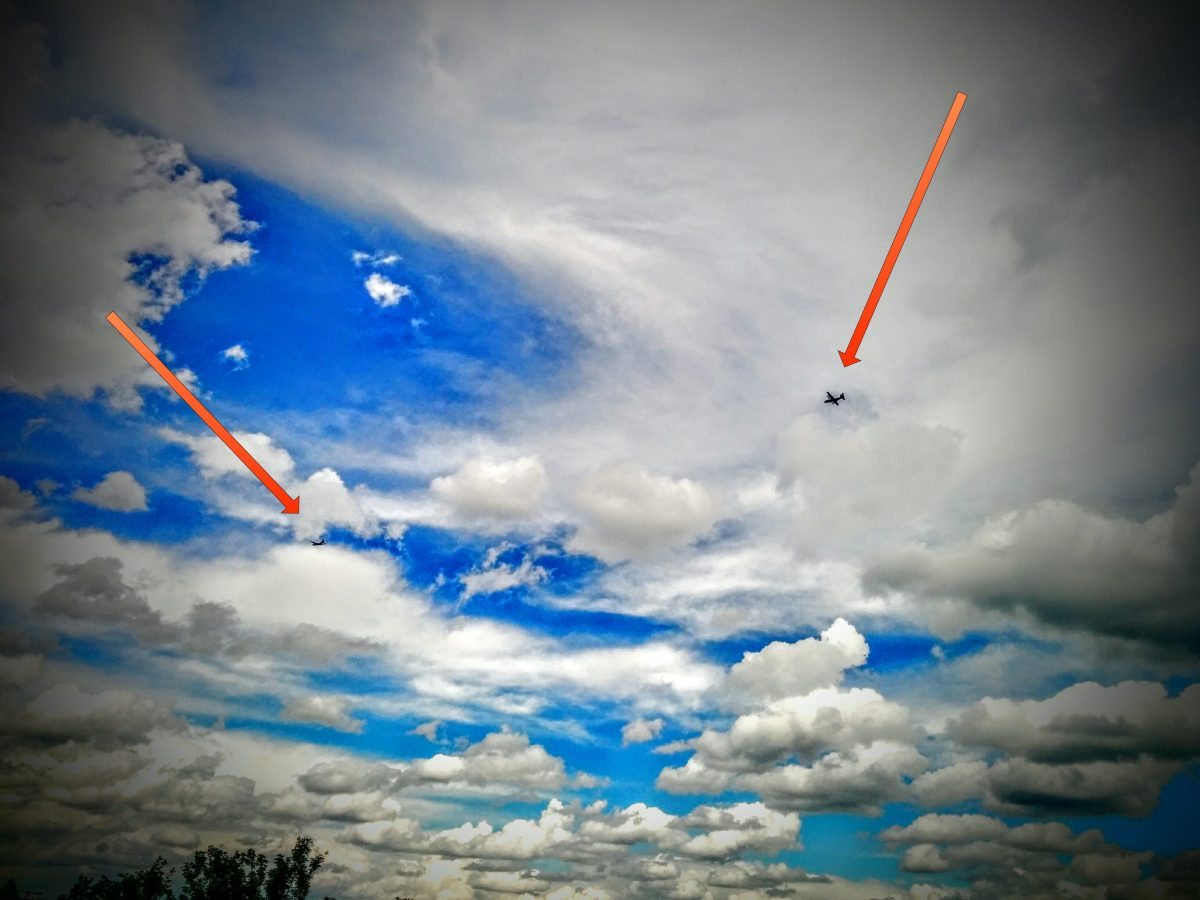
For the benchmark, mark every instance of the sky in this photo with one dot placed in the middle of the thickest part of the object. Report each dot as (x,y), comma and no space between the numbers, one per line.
(534,307)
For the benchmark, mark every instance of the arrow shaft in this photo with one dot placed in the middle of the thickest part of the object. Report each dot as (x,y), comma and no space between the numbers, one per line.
(199,408)
(906,223)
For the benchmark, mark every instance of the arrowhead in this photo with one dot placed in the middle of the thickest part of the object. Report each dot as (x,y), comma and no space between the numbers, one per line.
(848,358)
(292,506)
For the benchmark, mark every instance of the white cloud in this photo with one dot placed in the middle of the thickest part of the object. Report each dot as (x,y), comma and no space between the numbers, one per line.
(805,726)
(326,503)
(628,513)
(214,459)
(639,731)
(788,670)
(493,576)
(951,785)
(118,491)
(861,780)
(323,709)
(384,291)
(855,748)
(924,858)
(428,730)
(237,355)
(858,480)
(103,198)
(754,585)
(494,489)
(733,829)
(934,828)
(448,662)
(595,232)
(378,258)
(634,824)
(699,343)
(502,757)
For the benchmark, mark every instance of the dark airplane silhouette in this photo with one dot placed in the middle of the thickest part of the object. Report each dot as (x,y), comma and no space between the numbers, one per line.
(317,543)
(829,398)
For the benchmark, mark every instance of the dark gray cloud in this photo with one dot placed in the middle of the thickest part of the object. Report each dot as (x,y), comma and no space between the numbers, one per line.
(341,778)
(1031,860)
(1094,131)
(1019,787)
(1087,723)
(95,592)
(95,595)
(1069,567)
(65,715)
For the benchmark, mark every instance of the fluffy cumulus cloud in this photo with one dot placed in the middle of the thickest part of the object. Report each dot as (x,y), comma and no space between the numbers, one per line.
(1029,860)
(1070,567)
(500,758)
(384,291)
(804,747)
(639,731)
(788,670)
(118,491)
(135,217)
(628,513)
(951,785)
(703,845)
(503,761)
(830,747)
(486,488)
(215,460)
(1088,749)
(326,502)
(201,785)
(237,356)
(329,710)
(742,826)
(1087,722)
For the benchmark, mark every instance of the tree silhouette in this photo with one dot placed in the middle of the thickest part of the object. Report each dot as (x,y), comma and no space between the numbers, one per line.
(145,884)
(213,874)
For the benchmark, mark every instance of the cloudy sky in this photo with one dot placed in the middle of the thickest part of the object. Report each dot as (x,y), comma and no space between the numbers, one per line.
(534,306)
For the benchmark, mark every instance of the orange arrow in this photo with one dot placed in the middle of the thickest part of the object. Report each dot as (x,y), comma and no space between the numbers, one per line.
(290,504)
(889,261)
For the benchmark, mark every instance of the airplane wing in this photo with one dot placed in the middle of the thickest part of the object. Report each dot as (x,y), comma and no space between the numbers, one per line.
(828,396)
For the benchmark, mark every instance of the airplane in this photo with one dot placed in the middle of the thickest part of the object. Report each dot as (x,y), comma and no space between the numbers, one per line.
(829,398)
(317,543)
